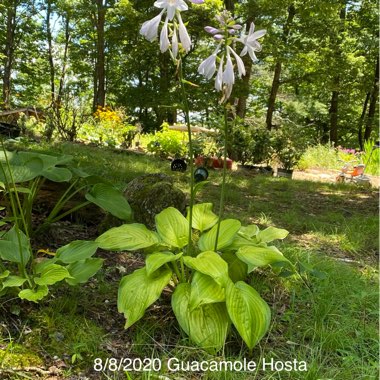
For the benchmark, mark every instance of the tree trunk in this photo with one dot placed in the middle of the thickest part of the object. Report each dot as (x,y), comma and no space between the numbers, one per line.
(273,95)
(50,52)
(230,5)
(277,71)
(334,103)
(361,121)
(333,111)
(99,85)
(9,54)
(372,104)
(64,60)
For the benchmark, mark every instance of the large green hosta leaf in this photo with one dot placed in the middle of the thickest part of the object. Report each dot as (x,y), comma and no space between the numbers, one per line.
(10,250)
(57,174)
(111,200)
(76,250)
(138,291)
(82,270)
(172,227)
(207,325)
(237,269)
(34,295)
(260,256)
(156,260)
(205,290)
(249,313)
(129,237)
(203,217)
(52,274)
(227,232)
(210,264)
(270,234)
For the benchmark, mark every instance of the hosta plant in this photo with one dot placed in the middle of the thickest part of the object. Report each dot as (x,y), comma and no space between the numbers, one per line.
(209,288)
(28,272)
(22,174)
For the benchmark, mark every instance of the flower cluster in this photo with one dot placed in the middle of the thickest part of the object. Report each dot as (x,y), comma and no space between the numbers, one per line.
(226,36)
(173,26)
(104,114)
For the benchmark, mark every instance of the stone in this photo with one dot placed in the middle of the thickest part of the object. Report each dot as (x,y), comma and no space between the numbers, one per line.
(149,194)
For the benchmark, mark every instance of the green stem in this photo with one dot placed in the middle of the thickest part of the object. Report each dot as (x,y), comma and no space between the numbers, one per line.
(223,190)
(186,109)
(176,271)
(8,186)
(76,208)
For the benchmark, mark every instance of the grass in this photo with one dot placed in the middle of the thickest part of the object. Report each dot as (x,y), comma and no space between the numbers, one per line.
(327,318)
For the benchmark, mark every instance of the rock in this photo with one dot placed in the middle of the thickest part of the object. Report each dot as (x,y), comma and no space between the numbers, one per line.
(149,194)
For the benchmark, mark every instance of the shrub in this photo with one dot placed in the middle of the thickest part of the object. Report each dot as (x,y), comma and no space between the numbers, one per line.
(108,127)
(250,143)
(168,143)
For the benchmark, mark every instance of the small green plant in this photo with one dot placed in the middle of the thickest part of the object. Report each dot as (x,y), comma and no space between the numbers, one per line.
(285,150)
(168,143)
(109,128)
(208,284)
(250,143)
(371,157)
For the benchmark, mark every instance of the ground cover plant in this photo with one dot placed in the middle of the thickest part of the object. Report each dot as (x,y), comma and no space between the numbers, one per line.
(329,318)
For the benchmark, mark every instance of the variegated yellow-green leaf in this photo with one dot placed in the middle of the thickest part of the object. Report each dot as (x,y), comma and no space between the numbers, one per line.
(237,269)
(270,234)
(205,290)
(110,199)
(156,260)
(211,264)
(249,231)
(138,291)
(82,270)
(180,305)
(172,227)
(52,274)
(227,233)
(4,274)
(249,313)
(13,281)
(203,217)
(260,256)
(76,250)
(206,326)
(129,237)
(34,296)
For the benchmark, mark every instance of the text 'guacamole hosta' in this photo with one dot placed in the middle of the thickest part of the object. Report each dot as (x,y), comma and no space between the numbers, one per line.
(210,293)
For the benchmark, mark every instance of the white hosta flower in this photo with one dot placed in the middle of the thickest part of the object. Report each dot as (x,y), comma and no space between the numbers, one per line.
(239,62)
(149,29)
(228,73)
(164,38)
(171,6)
(208,66)
(175,44)
(250,41)
(183,35)
(219,76)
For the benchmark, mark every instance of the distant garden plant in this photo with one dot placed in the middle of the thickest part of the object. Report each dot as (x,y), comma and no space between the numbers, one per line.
(204,259)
